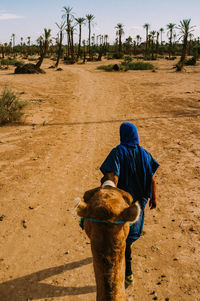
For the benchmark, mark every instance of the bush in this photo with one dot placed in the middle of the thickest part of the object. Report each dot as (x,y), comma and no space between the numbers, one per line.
(139,57)
(191,62)
(118,55)
(172,58)
(12,62)
(138,66)
(109,56)
(28,69)
(32,59)
(10,107)
(127,59)
(127,66)
(108,68)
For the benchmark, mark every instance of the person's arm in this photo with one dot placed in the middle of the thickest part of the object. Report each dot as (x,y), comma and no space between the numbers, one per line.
(153,200)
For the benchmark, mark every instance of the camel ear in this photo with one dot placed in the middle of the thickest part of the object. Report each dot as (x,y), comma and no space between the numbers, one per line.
(82,209)
(126,196)
(131,214)
(89,194)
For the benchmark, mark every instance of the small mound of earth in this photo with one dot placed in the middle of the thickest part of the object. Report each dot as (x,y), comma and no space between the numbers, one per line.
(28,69)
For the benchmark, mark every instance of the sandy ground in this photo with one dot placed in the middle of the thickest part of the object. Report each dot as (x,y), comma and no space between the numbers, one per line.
(72,122)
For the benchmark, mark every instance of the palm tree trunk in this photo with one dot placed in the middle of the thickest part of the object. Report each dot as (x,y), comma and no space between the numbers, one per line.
(146,39)
(120,43)
(170,44)
(39,63)
(42,54)
(79,44)
(68,36)
(89,26)
(184,51)
(72,45)
(59,49)
(152,49)
(181,63)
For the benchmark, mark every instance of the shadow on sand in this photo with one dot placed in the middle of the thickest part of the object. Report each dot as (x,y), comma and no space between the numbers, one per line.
(29,287)
(170,115)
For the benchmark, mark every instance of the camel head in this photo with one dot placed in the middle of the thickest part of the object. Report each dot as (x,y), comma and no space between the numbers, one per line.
(107,211)
(108,204)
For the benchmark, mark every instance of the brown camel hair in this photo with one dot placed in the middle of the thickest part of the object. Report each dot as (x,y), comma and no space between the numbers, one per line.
(108,241)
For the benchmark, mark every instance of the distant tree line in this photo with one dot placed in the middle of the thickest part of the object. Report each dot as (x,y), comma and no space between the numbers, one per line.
(181,42)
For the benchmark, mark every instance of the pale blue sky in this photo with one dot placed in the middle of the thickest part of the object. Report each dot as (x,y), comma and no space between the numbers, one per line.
(30,17)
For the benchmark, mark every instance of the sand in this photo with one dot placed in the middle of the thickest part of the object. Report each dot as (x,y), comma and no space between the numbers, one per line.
(71,124)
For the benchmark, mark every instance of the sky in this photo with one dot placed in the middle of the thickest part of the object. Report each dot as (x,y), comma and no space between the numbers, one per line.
(29,17)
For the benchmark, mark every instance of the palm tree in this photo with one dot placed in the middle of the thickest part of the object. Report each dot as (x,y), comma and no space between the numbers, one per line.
(29,41)
(157,41)
(13,40)
(170,28)
(146,26)
(84,54)
(21,44)
(105,43)
(190,43)
(93,39)
(44,44)
(80,22)
(185,30)
(138,39)
(60,39)
(161,33)
(72,29)
(120,32)
(29,45)
(153,35)
(106,39)
(13,43)
(128,45)
(67,15)
(89,18)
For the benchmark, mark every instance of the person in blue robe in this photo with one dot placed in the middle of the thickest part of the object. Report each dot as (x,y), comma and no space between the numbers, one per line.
(134,167)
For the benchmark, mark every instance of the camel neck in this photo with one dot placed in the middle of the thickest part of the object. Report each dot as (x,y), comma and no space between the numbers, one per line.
(110,275)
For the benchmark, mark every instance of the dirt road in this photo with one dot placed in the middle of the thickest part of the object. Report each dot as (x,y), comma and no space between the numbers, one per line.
(72,122)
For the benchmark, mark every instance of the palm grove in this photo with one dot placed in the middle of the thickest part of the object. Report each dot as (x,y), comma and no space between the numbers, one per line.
(181,42)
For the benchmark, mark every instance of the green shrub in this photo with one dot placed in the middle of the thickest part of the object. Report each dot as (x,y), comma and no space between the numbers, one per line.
(108,68)
(10,107)
(139,66)
(32,59)
(139,57)
(127,66)
(11,61)
(172,58)
(127,59)
(118,55)
(191,62)
(109,56)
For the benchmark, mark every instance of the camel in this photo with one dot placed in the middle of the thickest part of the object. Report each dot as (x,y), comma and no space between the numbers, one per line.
(107,211)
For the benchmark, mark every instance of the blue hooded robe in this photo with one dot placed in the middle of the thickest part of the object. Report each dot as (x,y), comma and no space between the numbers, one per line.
(134,167)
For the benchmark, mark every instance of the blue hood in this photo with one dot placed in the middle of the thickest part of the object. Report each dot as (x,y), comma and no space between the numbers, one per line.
(129,134)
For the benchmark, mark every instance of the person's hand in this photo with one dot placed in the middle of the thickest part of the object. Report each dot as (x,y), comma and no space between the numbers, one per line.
(152,203)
